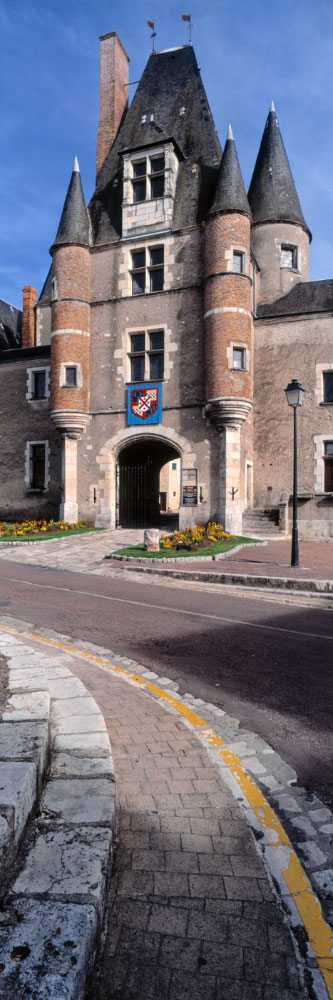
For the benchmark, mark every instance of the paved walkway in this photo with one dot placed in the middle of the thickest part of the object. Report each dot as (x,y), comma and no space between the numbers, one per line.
(193,914)
(86,554)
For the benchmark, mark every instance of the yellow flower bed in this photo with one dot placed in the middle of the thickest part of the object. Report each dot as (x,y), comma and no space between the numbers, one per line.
(198,537)
(21,528)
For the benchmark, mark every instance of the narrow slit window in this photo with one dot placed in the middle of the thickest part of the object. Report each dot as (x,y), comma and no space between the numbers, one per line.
(238,358)
(39,385)
(238,262)
(71,375)
(328,387)
(37,467)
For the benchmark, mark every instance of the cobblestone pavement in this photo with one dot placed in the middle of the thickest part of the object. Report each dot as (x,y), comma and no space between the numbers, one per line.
(86,554)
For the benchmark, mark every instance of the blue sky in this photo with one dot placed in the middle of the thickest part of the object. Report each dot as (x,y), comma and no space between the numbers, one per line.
(249,53)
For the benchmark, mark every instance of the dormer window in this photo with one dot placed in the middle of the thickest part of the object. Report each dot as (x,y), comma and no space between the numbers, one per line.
(148,178)
(139,181)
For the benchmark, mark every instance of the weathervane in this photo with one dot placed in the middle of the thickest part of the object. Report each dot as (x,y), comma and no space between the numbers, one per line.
(153,36)
(187,18)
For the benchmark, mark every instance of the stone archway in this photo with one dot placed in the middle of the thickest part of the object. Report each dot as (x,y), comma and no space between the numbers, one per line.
(109,455)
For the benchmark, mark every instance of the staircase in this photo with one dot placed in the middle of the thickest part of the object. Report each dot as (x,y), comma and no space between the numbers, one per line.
(258,523)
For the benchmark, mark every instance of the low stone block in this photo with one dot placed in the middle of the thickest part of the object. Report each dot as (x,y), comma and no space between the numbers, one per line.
(67,687)
(75,801)
(18,792)
(151,540)
(65,765)
(82,741)
(28,706)
(80,724)
(68,707)
(24,741)
(19,681)
(46,951)
(69,863)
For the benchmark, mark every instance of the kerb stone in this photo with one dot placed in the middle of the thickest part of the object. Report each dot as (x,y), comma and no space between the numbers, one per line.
(74,801)
(67,863)
(18,791)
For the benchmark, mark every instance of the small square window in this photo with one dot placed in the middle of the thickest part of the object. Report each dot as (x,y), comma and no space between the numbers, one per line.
(39,385)
(137,342)
(238,358)
(156,256)
(288,256)
(328,387)
(174,466)
(157,165)
(138,259)
(139,169)
(71,376)
(238,262)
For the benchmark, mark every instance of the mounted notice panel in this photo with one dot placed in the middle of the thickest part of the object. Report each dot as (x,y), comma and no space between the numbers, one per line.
(144,404)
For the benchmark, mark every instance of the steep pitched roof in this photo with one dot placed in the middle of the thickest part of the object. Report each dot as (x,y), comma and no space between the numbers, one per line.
(46,293)
(10,326)
(74,223)
(272,194)
(304,297)
(230,194)
(170,90)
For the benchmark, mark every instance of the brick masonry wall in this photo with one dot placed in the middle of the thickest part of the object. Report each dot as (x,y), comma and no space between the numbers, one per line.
(28,317)
(228,305)
(23,421)
(285,350)
(71,311)
(274,280)
(113,93)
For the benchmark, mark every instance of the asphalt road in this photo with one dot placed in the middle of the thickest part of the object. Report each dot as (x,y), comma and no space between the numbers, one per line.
(265,662)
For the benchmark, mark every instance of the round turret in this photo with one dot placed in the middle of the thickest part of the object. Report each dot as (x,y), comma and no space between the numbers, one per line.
(280,235)
(228,297)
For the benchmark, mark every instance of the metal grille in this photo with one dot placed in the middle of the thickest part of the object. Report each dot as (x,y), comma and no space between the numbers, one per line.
(132,496)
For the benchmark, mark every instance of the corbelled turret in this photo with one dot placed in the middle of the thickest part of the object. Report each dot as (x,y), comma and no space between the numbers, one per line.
(70,334)
(228,327)
(280,235)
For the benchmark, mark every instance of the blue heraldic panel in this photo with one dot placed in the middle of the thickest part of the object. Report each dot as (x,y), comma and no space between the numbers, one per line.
(144,404)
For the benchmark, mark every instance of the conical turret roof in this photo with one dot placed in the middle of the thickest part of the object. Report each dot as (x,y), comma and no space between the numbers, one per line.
(74,223)
(230,194)
(272,194)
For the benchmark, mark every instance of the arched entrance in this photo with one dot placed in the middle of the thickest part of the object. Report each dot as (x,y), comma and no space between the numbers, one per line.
(142,498)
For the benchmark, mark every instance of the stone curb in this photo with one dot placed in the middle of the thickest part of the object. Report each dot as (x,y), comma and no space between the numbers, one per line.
(41,541)
(233,579)
(183,559)
(57,826)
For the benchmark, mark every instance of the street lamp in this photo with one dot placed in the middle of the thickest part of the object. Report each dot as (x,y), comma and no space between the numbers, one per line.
(294,394)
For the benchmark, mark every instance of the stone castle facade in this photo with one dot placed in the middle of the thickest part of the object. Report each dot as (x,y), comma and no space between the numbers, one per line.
(176,310)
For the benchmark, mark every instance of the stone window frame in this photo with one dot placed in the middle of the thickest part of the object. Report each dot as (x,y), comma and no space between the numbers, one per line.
(28,464)
(148,268)
(229,257)
(30,384)
(240,345)
(294,248)
(319,462)
(62,374)
(148,352)
(321,368)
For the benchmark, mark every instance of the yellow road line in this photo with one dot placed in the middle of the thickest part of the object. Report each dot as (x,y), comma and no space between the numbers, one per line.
(295,878)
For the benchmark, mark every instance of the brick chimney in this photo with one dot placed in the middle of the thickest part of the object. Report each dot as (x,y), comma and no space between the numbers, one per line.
(113,94)
(28,318)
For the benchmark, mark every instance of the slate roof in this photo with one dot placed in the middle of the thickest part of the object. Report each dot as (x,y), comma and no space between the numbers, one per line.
(170,82)
(304,297)
(74,223)
(272,194)
(46,293)
(10,326)
(230,194)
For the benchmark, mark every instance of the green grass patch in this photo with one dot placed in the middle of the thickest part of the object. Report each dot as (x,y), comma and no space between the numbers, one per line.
(43,535)
(138,551)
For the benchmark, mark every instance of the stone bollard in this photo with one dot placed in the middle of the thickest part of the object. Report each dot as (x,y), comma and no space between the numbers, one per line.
(151,540)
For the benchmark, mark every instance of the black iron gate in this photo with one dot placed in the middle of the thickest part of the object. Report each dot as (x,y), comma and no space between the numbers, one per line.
(132,496)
